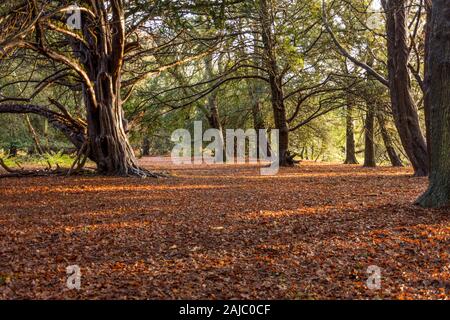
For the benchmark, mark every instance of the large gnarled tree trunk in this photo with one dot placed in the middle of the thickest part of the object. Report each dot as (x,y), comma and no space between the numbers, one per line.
(438,95)
(103,59)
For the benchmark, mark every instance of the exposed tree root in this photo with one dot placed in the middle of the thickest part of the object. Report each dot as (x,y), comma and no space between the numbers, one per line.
(49,171)
(144,173)
(290,159)
(75,170)
(435,197)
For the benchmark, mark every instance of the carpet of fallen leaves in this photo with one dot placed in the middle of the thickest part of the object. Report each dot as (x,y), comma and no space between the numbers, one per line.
(223,232)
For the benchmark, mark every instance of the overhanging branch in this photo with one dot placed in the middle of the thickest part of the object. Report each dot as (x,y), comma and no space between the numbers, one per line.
(73,129)
(346,54)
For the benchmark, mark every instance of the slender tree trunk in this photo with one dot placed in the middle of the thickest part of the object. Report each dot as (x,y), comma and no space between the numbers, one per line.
(350,150)
(438,193)
(34,135)
(256,89)
(45,133)
(276,84)
(146,147)
(213,117)
(403,106)
(212,107)
(392,154)
(257,116)
(369,146)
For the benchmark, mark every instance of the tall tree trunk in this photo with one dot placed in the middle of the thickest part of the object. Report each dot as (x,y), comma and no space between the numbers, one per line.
(350,152)
(276,83)
(256,90)
(438,193)
(212,107)
(403,106)
(426,82)
(369,146)
(389,145)
(257,117)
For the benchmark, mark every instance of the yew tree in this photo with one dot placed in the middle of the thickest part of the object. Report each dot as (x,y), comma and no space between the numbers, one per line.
(92,46)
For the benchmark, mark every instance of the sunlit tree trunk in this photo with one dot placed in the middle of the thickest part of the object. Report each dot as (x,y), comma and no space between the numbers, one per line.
(369,146)
(350,152)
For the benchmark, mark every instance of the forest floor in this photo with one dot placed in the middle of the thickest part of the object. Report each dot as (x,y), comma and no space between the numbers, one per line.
(222,232)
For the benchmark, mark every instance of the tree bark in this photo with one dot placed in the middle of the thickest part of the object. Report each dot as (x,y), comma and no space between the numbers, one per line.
(438,93)
(403,106)
(255,90)
(350,150)
(276,84)
(369,146)
(212,106)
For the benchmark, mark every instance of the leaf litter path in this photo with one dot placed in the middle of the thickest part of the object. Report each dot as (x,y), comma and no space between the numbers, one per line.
(222,232)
